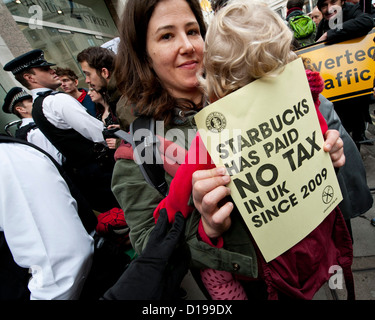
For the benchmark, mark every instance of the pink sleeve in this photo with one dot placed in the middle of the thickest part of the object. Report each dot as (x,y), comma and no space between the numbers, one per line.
(221,285)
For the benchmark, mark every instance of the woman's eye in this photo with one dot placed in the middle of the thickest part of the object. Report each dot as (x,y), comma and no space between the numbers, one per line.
(166,36)
(193,32)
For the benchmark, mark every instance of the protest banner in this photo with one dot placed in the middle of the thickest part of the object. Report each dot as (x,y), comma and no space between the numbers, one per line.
(347,67)
(268,137)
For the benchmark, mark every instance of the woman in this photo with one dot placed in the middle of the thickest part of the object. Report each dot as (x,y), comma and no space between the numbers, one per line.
(104,114)
(159,56)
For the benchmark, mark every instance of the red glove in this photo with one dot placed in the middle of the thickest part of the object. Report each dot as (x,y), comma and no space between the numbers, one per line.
(180,189)
(112,223)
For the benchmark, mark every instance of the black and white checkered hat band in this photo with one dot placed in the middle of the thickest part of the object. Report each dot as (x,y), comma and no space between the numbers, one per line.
(28,64)
(16,98)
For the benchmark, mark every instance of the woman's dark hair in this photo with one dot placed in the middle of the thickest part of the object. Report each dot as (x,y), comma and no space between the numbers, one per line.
(134,76)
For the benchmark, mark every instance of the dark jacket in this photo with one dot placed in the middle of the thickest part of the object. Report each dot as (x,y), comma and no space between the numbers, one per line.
(355,24)
(118,105)
(357,198)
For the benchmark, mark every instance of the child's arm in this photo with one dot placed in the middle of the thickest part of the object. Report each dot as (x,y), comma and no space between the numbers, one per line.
(316,84)
(219,284)
(180,189)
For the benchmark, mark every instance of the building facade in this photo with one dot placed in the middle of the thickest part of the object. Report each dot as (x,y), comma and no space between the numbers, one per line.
(63,28)
(280,6)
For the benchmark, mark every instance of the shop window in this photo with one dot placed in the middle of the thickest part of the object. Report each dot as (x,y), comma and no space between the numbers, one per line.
(68,28)
(86,14)
(72,45)
(34,35)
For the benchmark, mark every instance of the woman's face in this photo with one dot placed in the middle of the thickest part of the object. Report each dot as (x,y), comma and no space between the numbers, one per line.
(175,47)
(94,95)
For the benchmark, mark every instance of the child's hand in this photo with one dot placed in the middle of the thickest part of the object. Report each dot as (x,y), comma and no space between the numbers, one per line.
(209,189)
(335,146)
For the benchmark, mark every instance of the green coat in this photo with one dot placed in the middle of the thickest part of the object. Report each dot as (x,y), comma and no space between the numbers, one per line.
(138,200)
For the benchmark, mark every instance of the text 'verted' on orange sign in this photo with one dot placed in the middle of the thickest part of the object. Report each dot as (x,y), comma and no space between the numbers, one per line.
(347,67)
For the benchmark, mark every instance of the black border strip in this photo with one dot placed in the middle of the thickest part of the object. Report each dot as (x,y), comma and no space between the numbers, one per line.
(319,45)
(348,95)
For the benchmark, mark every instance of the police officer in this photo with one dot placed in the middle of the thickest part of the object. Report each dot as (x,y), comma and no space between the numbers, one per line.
(45,251)
(74,132)
(20,103)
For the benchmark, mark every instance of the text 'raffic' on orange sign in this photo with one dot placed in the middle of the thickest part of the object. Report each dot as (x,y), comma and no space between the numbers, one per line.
(347,67)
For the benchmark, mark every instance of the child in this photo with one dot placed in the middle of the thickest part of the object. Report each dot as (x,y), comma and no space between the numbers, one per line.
(245,41)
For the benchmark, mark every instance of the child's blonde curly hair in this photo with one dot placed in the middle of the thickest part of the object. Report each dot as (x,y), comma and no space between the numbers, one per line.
(245,41)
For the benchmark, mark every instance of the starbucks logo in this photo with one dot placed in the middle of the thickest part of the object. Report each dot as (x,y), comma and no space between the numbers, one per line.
(216,122)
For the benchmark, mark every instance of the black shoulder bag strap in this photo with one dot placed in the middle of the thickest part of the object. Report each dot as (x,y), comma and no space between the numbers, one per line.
(85,213)
(143,139)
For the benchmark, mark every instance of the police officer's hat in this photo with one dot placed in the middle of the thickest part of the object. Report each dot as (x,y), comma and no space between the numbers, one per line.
(31,59)
(14,96)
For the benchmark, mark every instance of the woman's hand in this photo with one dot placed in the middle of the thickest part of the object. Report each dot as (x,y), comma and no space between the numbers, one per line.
(113,126)
(209,188)
(335,146)
(111,143)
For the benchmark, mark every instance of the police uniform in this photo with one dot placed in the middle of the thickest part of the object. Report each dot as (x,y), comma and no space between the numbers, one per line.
(74,132)
(43,231)
(27,129)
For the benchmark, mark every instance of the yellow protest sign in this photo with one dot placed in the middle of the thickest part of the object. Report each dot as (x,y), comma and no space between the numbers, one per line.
(347,67)
(269,139)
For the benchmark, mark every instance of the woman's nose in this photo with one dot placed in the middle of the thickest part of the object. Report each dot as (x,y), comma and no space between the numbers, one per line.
(186,46)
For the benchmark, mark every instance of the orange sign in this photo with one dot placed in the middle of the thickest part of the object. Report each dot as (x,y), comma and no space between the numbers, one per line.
(347,67)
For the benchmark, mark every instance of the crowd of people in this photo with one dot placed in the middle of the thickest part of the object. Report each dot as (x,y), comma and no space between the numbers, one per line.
(87,223)
(356,20)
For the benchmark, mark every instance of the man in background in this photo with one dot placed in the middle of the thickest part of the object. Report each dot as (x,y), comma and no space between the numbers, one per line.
(303,27)
(316,16)
(69,84)
(98,65)
(343,21)
(74,132)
